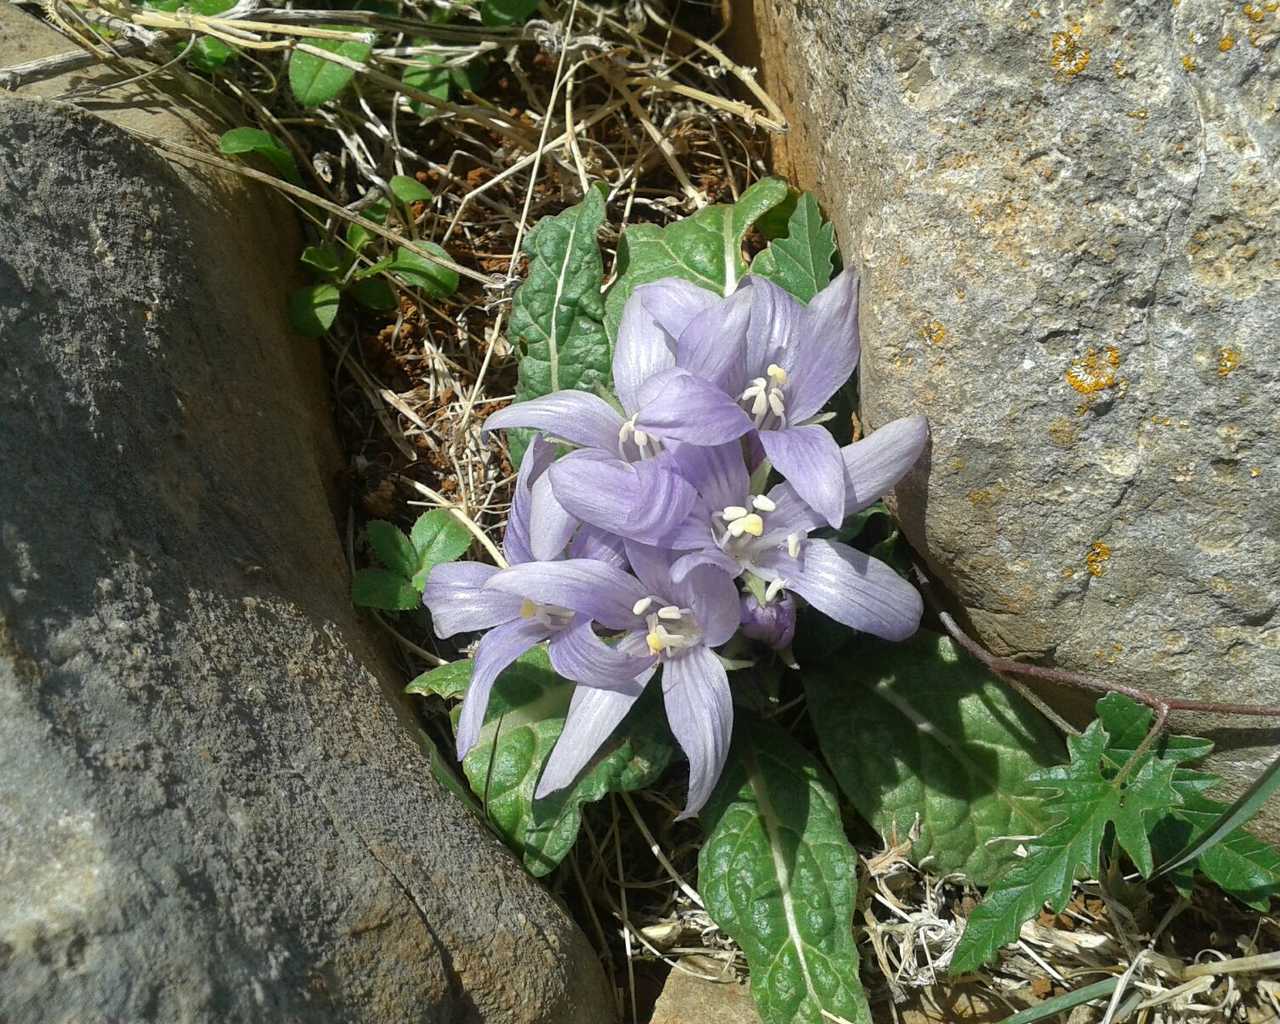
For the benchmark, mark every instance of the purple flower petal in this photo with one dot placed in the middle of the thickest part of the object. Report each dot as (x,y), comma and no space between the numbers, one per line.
(695,690)
(515,541)
(578,654)
(708,555)
(459,602)
(711,593)
(677,406)
(824,352)
(593,716)
(652,318)
(855,589)
(673,302)
(576,416)
(713,345)
(603,546)
(719,472)
(550,525)
(873,465)
(810,460)
(653,567)
(774,326)
(773,624)
(497,649)
(602,591)
(645,501)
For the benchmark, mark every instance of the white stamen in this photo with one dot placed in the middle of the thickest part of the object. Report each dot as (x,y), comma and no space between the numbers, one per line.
(774,588)
(793,544)
(669,612)
(760,406)
(764,503)
(751,524)
(642,439)
(641,606)
(775,402)
(732,512)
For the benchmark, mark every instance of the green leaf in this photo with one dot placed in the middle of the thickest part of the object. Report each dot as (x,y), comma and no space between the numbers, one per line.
(506,12)
(428,75)
(524,719)
(384,589)
(209,54)
(322,259)
(1085,803)
(419,272)
(313,309)
(557,312)
(931,737)
(409,190)
(448,681)
(374,293)
(802,262)
(393,549)
(705,248)
(239,141)
(437,537)
(315,80)
(778,875)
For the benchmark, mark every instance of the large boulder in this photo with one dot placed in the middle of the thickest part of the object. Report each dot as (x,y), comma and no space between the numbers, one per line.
(1070,231)
(212,805)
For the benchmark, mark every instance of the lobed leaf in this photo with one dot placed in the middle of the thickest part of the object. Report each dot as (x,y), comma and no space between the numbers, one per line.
(384,589)
(524,719)
(393,549)
(778,875)
(705,248)
(1086,802)
(930,739)
(802,261)
(315,80)
(436,537)
(557,313)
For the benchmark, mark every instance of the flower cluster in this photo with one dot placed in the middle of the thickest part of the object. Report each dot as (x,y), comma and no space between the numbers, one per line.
(653,541)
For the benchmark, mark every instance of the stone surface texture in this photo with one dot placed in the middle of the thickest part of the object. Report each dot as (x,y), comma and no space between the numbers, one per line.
(1068,217)
(689,999)
(212,805)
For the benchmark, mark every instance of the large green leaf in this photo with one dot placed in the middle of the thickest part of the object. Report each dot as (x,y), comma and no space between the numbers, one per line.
(556,315)
(800,262)
(917,733)
(705,248)
(778,875)
(449,681)
(1086,801)
(524,719)
(315,80)
(384,589)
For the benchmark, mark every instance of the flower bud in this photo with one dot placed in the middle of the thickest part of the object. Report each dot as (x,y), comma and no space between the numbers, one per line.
(773,624)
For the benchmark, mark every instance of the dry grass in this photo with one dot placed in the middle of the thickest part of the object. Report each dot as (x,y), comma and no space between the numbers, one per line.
(642,99)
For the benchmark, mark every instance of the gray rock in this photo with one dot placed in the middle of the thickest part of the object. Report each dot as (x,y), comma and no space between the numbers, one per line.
(212,805)
(1069,220)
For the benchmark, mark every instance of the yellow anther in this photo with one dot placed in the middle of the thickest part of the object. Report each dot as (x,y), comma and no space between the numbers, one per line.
(777,374)
(655,642)
(752,524)
(528,609)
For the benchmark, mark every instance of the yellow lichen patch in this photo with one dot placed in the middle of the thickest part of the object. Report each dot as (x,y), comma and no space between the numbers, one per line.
(1228,360)
(1066,56)
(1188,63)
(1062,432)
(1253,12)
(1140,114)
(1226,43)
(979,497)
(1094,372)
(1121,69)
(1255,472)
(1068,573)
(935,332)
(1095,560)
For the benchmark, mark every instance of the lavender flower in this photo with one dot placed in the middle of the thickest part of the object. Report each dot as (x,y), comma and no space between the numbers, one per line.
(664,622)
(459,601)
(772,624)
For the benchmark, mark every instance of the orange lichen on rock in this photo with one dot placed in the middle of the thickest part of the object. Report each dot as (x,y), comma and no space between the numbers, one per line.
(1066,56)
(1095,560)
(1188,63)
(1253,12)
(1092,372)
(1228,360)
(1226,43)
(935,332)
